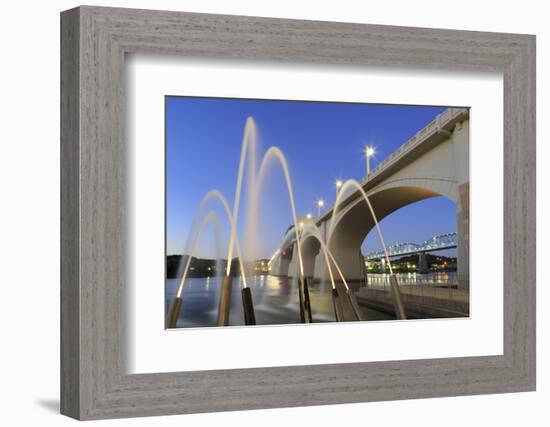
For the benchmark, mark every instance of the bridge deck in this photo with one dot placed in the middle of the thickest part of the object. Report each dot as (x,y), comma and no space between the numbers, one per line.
(424,140)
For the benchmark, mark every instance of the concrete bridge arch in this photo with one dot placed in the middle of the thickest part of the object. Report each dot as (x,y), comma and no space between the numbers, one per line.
(433,163)
(354,222)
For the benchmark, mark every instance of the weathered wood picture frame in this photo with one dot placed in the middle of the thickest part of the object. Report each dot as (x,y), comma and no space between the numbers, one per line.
(94,41)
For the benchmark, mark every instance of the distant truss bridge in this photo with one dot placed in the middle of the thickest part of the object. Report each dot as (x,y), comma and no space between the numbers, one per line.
(436,243)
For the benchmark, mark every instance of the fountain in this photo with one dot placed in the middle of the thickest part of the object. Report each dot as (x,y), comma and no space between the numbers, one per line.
(255,181)
(277,154)
(313,230)
(225,294)
(248,144)
(175,306)
(249,139)
(396,293)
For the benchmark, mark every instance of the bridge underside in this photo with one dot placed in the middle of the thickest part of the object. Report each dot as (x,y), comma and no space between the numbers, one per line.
(355,224)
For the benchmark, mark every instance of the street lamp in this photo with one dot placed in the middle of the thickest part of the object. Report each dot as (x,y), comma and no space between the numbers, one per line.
(308,216)
(338,184)
(320,204)
(369,152)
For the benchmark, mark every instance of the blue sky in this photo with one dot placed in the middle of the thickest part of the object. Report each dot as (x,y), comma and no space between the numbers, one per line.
(322,142)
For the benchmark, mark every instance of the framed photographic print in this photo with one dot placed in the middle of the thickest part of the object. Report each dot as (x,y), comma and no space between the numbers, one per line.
(282,213)
(322,250)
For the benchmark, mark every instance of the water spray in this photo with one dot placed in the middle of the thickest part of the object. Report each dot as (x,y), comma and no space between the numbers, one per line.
(303,292)
(175,306)
(396,292)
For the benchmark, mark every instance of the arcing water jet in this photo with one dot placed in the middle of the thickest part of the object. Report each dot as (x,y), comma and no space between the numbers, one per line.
(399,308)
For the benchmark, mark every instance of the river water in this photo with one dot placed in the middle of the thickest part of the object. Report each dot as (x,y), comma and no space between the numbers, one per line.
(275,299)
(439,278)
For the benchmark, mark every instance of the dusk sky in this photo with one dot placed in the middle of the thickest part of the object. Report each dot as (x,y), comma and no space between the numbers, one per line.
(322,142)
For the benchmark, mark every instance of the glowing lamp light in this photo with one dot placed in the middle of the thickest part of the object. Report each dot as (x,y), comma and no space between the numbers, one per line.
(320,204)
(338,185)
(369,151)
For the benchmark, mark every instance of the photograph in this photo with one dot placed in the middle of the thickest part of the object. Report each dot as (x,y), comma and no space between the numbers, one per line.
(285,212)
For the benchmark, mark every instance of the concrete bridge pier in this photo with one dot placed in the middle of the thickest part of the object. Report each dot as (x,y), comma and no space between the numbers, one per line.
(320,270)
(463,234)
(280,266)
(349,260)
(423,267)
(283,267)
(294,263)
(310,249)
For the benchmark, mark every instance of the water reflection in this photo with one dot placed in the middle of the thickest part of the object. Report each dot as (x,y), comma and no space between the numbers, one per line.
(443,278)
(275,301)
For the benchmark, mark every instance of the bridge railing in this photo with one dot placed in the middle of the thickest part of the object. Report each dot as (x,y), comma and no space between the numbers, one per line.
(434,126)
(427,291)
